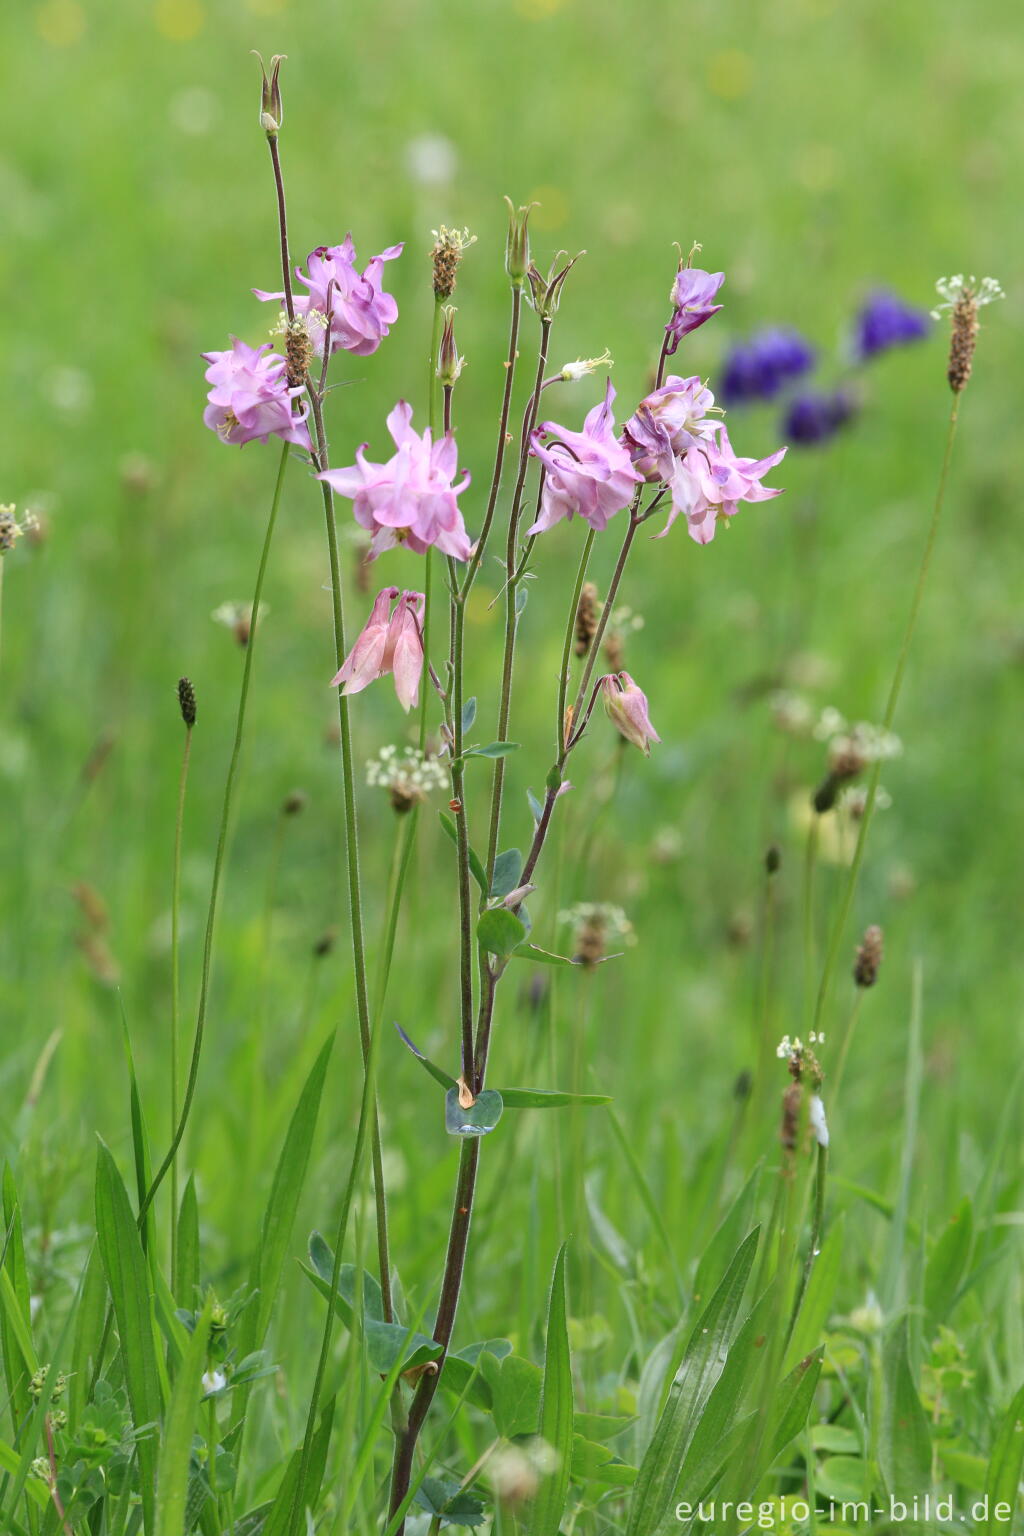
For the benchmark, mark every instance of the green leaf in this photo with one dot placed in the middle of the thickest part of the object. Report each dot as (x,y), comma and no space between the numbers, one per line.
(515,1386)
(971,1472)
(701,1367)
(385,1342)
(476,869)
(15,1305)
(837,1439)
(595,1463)
(89,1318)
(723,1245)
(493,749)
(289,1178)
(176,1441)
(948,1263)
(601,1426)
(186,1277)
(128,1278)
(508,867)
(468,715)
(1004,1468)
(817,1303)
(542,956)
(791,1405)
(846,1479)
(437,1073)
(460,1373)
(478,1120)
(550,1098)
(556,1411)
(279,1518)
(904,1447)
(448,1503)
(500,932)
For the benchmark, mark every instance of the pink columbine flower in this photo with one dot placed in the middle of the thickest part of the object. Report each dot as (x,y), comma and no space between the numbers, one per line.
(411,499)
(709,482)
(361,313)
(693,296)
(671,420)
(626,707)
(588,472)
(390,642)
(250,399)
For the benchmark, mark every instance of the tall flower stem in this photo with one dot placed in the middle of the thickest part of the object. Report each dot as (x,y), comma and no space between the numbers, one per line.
(511,599)
(846,902)
(561,723)
(222,838)
(179,822)
(322,455)
(499,452)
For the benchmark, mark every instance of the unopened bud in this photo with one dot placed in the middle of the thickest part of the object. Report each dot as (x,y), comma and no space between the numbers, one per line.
(571,373)
(517,247)
(546,292)
(449,363)
(271,110)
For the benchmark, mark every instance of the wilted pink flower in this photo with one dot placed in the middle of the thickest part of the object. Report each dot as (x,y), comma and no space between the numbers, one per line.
(250,399)
(672,419)
(693,302)
(709,482)
(588,472)
(361,312)
(410,499)
(626,707)
(390,642)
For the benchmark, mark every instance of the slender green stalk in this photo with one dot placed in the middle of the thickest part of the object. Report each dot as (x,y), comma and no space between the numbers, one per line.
(428,563)
(561,724)
(179,822)
(499,452)
(817,1224)
(844,1049)
(842,918)
(222,838)
(460,812)
(810,869)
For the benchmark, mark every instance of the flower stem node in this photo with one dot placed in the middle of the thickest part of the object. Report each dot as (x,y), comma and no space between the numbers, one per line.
(271,110)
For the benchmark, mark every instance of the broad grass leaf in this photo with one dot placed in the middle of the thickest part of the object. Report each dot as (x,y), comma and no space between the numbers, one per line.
(279,1517)
(128,1279)
(703,1362)
(556,1411)
(1006,1458)
(179,1425)
(550,1098)
(818,1297)
(718,1255)
(947,1264)
(186,1276)
(904,1441)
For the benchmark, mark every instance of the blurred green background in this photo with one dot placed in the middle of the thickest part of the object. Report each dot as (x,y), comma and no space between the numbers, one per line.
(816,149)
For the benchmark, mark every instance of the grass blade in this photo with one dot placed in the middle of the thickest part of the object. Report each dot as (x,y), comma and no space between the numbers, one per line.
(556,1410)
(176,1443)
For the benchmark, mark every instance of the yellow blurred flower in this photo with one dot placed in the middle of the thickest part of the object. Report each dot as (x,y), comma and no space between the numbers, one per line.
(730,74)
(60,22)
(179,20)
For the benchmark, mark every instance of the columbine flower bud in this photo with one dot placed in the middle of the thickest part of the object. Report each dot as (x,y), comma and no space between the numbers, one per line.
(517,247)
(546,292)
(963,297)
(271,110)
(187,701)
(572,372)
(626,707)
(449,363)
(449,248)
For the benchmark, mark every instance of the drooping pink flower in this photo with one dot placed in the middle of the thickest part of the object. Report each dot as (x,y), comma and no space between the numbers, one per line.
(693,296)
(361,313)
(709,482)
(389,642)
(411,499)
(250,399)
(626,706)
(672,419)
(587,472)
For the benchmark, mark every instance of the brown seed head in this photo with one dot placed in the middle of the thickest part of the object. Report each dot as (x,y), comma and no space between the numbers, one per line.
(587,615)
(446,256)
(869,957)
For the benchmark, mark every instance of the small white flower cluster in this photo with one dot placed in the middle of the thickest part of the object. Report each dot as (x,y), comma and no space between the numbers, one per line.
(453,239)
(310,324)
(613,920)
(232,615)
(853,800)
(411,772)
(11,530)
(787,1047)
(868,741)
(952,289)
(572,372)
(624,619)
(791,712)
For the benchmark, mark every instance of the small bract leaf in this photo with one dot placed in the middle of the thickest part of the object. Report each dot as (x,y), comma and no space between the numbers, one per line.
(468,714)
(500,932)
(478,1119)
(508,866)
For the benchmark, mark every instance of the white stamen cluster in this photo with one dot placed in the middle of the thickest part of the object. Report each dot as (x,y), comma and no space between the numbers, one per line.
(853,800)
(572,372)
(791,712)
(863,739)
(11,530)
(952,289)
(792,1047)
(453,239)
(407,770)
(231,615)
(612,919)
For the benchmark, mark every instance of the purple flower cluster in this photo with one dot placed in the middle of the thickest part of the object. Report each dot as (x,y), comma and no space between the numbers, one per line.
(351,305)
(250,398)
(883,322)
(759,368)
(812,417)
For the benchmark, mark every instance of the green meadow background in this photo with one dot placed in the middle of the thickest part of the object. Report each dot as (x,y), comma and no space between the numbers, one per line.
(816,149)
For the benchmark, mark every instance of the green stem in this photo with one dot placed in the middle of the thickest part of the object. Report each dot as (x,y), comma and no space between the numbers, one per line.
(222,838)
(561,733)
(460,812)
(842,918)
(499,452)
(179,822)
